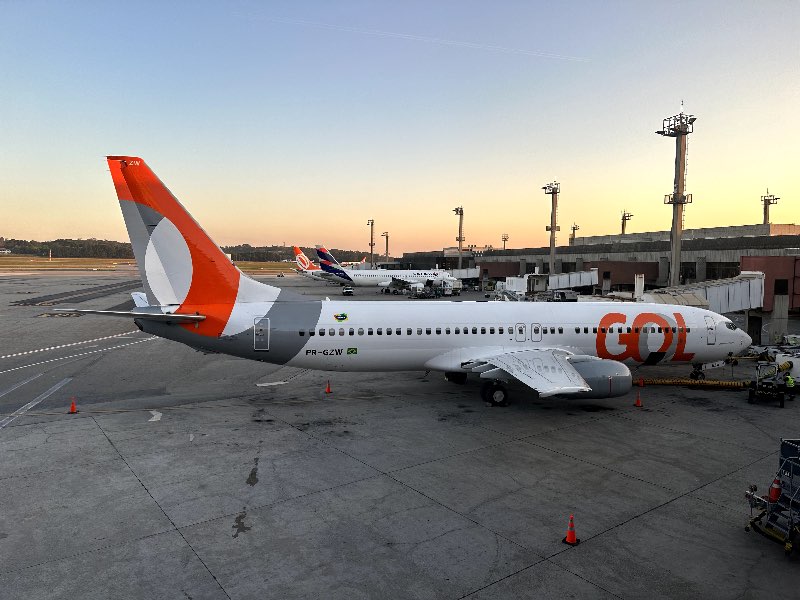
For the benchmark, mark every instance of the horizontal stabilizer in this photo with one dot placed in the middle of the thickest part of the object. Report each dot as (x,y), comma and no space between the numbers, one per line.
(150,316)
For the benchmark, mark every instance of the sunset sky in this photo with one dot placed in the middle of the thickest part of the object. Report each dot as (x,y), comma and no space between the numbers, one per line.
(297,121)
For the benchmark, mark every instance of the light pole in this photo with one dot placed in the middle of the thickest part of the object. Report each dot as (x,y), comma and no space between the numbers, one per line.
(553,189)
(371,223)
(678,126)
(504,237)
(460,239)
(386,235)
(626,216)
(767,201)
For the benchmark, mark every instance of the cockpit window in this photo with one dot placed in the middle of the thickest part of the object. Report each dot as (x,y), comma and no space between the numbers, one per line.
(730,325)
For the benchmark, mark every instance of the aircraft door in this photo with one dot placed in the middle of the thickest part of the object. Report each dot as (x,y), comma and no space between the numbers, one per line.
(520,330)
(711,331)
(261,334)
(536,332)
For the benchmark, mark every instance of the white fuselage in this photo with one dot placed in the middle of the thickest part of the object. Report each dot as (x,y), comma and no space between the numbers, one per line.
(354,336)
(385,277)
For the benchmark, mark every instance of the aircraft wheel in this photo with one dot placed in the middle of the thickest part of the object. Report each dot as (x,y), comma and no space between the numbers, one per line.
(701,375)
(498,395)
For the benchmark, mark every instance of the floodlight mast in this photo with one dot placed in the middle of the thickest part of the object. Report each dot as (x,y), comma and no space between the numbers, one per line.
(626,216)
(678,126)
(574,228)
(386,235)
(766,201)
(371,223)
(504,237)
(553,189)
(460,239)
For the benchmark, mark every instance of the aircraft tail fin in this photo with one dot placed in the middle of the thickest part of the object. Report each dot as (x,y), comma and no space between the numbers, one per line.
(179,263)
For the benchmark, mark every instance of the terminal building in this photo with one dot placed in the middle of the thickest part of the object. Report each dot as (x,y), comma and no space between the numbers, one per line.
(707,254)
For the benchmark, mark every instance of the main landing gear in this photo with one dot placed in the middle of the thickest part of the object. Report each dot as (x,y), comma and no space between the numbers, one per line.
(697,371)
(494,393)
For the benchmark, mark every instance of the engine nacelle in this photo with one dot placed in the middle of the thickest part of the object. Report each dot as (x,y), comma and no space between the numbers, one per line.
(607,378)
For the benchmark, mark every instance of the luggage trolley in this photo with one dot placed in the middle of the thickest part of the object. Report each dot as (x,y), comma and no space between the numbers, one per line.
(778,515)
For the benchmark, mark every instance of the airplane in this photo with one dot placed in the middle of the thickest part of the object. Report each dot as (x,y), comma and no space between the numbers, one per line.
(386,279)
(306,268)
(197,297)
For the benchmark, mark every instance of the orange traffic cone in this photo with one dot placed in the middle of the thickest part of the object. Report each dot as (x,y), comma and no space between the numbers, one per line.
(72,408)
(774,491)
(638,403)
(328,387)
(571,539)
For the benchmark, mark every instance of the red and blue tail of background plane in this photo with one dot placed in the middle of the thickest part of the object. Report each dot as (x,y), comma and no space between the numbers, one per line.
(330,264)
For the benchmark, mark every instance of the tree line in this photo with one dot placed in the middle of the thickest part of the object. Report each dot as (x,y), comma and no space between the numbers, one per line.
(93,248)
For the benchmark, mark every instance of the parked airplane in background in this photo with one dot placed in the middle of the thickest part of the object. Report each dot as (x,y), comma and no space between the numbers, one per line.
(354,263)
(384,278)
(307,268)
(197,297)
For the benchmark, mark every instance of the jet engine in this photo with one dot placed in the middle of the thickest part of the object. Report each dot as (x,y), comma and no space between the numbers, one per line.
(607,378)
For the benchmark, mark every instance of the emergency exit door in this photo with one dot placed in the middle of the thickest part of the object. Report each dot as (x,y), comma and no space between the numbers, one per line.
(261,334)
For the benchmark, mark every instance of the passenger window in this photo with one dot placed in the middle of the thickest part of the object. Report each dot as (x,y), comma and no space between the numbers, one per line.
(331,331)
(688,329)
(483,330)
(369,331)
(311,332)
(536,330)
(352,331)
(322,332)
(577,330)
(360,331)
(419,330)
(341,331)
(457,330)
(302,333)
(474,330)
(553,330)
(585,330)
(602,329)
(409,331)
(544,330)
(635,330)
(427,331)
(491,330)
(659,330)
(466,330)
(438,331)
(447,331)
(520,329)
(388,331)
(680,329)
(500,330)
(594,330)
(674,330)
(398,331)
(629,329)
(560,330)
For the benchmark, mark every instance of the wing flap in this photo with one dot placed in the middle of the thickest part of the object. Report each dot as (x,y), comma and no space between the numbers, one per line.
(547,371)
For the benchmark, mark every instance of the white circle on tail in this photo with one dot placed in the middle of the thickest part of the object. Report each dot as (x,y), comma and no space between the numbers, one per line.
(303,262)
(168,264)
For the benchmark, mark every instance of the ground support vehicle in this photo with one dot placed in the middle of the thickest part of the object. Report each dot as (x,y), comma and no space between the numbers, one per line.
(778,517)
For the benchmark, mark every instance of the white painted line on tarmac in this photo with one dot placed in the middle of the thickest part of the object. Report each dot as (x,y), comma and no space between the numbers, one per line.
(19,385)
(108,337)
(156,416)
(34,402)
(269,383)
(52,360)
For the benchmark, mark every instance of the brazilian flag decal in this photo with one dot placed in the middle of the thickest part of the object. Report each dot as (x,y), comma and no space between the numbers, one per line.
(352,350)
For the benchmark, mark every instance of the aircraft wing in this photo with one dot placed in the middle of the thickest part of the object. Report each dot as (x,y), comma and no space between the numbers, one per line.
(401,282)
(132,314)
(545,370)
